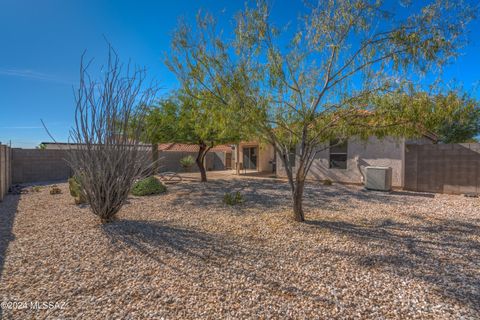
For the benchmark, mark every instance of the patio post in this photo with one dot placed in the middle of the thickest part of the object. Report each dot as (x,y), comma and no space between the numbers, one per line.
(237,158)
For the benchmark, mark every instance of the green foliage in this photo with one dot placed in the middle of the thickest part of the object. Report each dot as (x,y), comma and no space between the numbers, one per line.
(463,123)
(306,85)
(453,117)
(191,116)
(317,87)
(160,122)
(148,186)
(327,182)
(192,119)
(232,199)
(36,189)
(76,190)
(187,162)
(55,190)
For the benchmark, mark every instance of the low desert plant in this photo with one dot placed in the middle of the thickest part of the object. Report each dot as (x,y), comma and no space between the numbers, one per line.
(36,189)
(327,182)
(187,162)
(76,190)
(148,186)
(233,198)
(55,190)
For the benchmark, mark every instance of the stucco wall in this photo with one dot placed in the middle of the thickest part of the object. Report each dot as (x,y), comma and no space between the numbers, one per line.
(388,152)
(264,158)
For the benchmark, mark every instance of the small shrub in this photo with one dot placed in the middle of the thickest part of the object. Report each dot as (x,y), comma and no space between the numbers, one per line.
(148,186)
(55,190)
(327,182)
(76,190)
(187,162)
(233,198)
(36,189)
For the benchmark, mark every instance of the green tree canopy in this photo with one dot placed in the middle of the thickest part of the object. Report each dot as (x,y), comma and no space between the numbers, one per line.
(461,120)
(312,81)
(193,118)
(454,117)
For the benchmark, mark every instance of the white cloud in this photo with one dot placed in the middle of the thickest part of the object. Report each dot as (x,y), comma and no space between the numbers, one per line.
(31,74)
(22,127)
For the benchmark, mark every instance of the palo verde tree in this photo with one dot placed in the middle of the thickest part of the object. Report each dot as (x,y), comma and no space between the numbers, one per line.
(107,155)
(190,118)
(310,82)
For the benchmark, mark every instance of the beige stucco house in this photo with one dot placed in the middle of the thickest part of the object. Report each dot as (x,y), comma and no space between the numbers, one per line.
(345,164)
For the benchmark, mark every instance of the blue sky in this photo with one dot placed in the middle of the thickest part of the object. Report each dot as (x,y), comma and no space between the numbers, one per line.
(41,43)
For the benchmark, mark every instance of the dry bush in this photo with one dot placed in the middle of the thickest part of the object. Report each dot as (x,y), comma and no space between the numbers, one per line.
(107,155)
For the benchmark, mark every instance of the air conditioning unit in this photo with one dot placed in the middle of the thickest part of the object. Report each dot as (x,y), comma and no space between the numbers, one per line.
(378,178)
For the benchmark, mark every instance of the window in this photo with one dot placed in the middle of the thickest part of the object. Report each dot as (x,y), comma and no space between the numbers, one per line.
(338,155)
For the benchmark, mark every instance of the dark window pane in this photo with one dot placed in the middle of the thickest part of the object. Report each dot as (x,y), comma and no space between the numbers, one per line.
(338,161)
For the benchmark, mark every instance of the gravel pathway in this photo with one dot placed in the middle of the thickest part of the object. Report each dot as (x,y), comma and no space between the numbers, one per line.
(186,255)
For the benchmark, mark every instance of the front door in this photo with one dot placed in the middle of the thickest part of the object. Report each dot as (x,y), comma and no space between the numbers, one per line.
(250,158)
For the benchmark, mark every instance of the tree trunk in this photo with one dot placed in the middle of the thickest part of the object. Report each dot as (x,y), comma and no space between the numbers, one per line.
(154,170)
(297,185)
(298,201)
(201,161)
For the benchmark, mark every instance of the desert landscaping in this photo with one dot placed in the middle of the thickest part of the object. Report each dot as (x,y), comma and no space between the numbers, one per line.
(240,160)
(185,254)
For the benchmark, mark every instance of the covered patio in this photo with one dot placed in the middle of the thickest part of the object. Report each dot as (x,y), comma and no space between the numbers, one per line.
(253,157)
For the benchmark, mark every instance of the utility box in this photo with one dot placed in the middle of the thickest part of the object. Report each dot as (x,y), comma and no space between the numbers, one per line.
(378,178)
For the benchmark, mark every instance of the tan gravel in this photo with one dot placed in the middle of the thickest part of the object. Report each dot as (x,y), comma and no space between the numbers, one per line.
(185,255)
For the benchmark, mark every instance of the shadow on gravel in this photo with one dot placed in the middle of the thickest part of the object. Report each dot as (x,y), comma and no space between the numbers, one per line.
(271,193)
(225,258)
(443,253)
(148,236)
(8,210)
(211,194)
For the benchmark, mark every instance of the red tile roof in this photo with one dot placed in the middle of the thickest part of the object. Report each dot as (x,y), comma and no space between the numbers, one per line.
(183,147)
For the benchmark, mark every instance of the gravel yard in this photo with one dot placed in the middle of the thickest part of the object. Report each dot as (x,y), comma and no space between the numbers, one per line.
(186,255)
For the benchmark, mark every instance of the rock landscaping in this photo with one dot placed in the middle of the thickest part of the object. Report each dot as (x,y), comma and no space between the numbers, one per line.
(186,254)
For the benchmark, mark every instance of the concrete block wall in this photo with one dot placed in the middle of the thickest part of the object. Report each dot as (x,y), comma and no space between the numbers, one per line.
(444,168)
(36,165)
(5,170)
(170,161)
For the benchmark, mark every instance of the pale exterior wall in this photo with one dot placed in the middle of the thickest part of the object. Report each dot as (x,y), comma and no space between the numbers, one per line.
(265,155)
(388,152)
(59,146)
